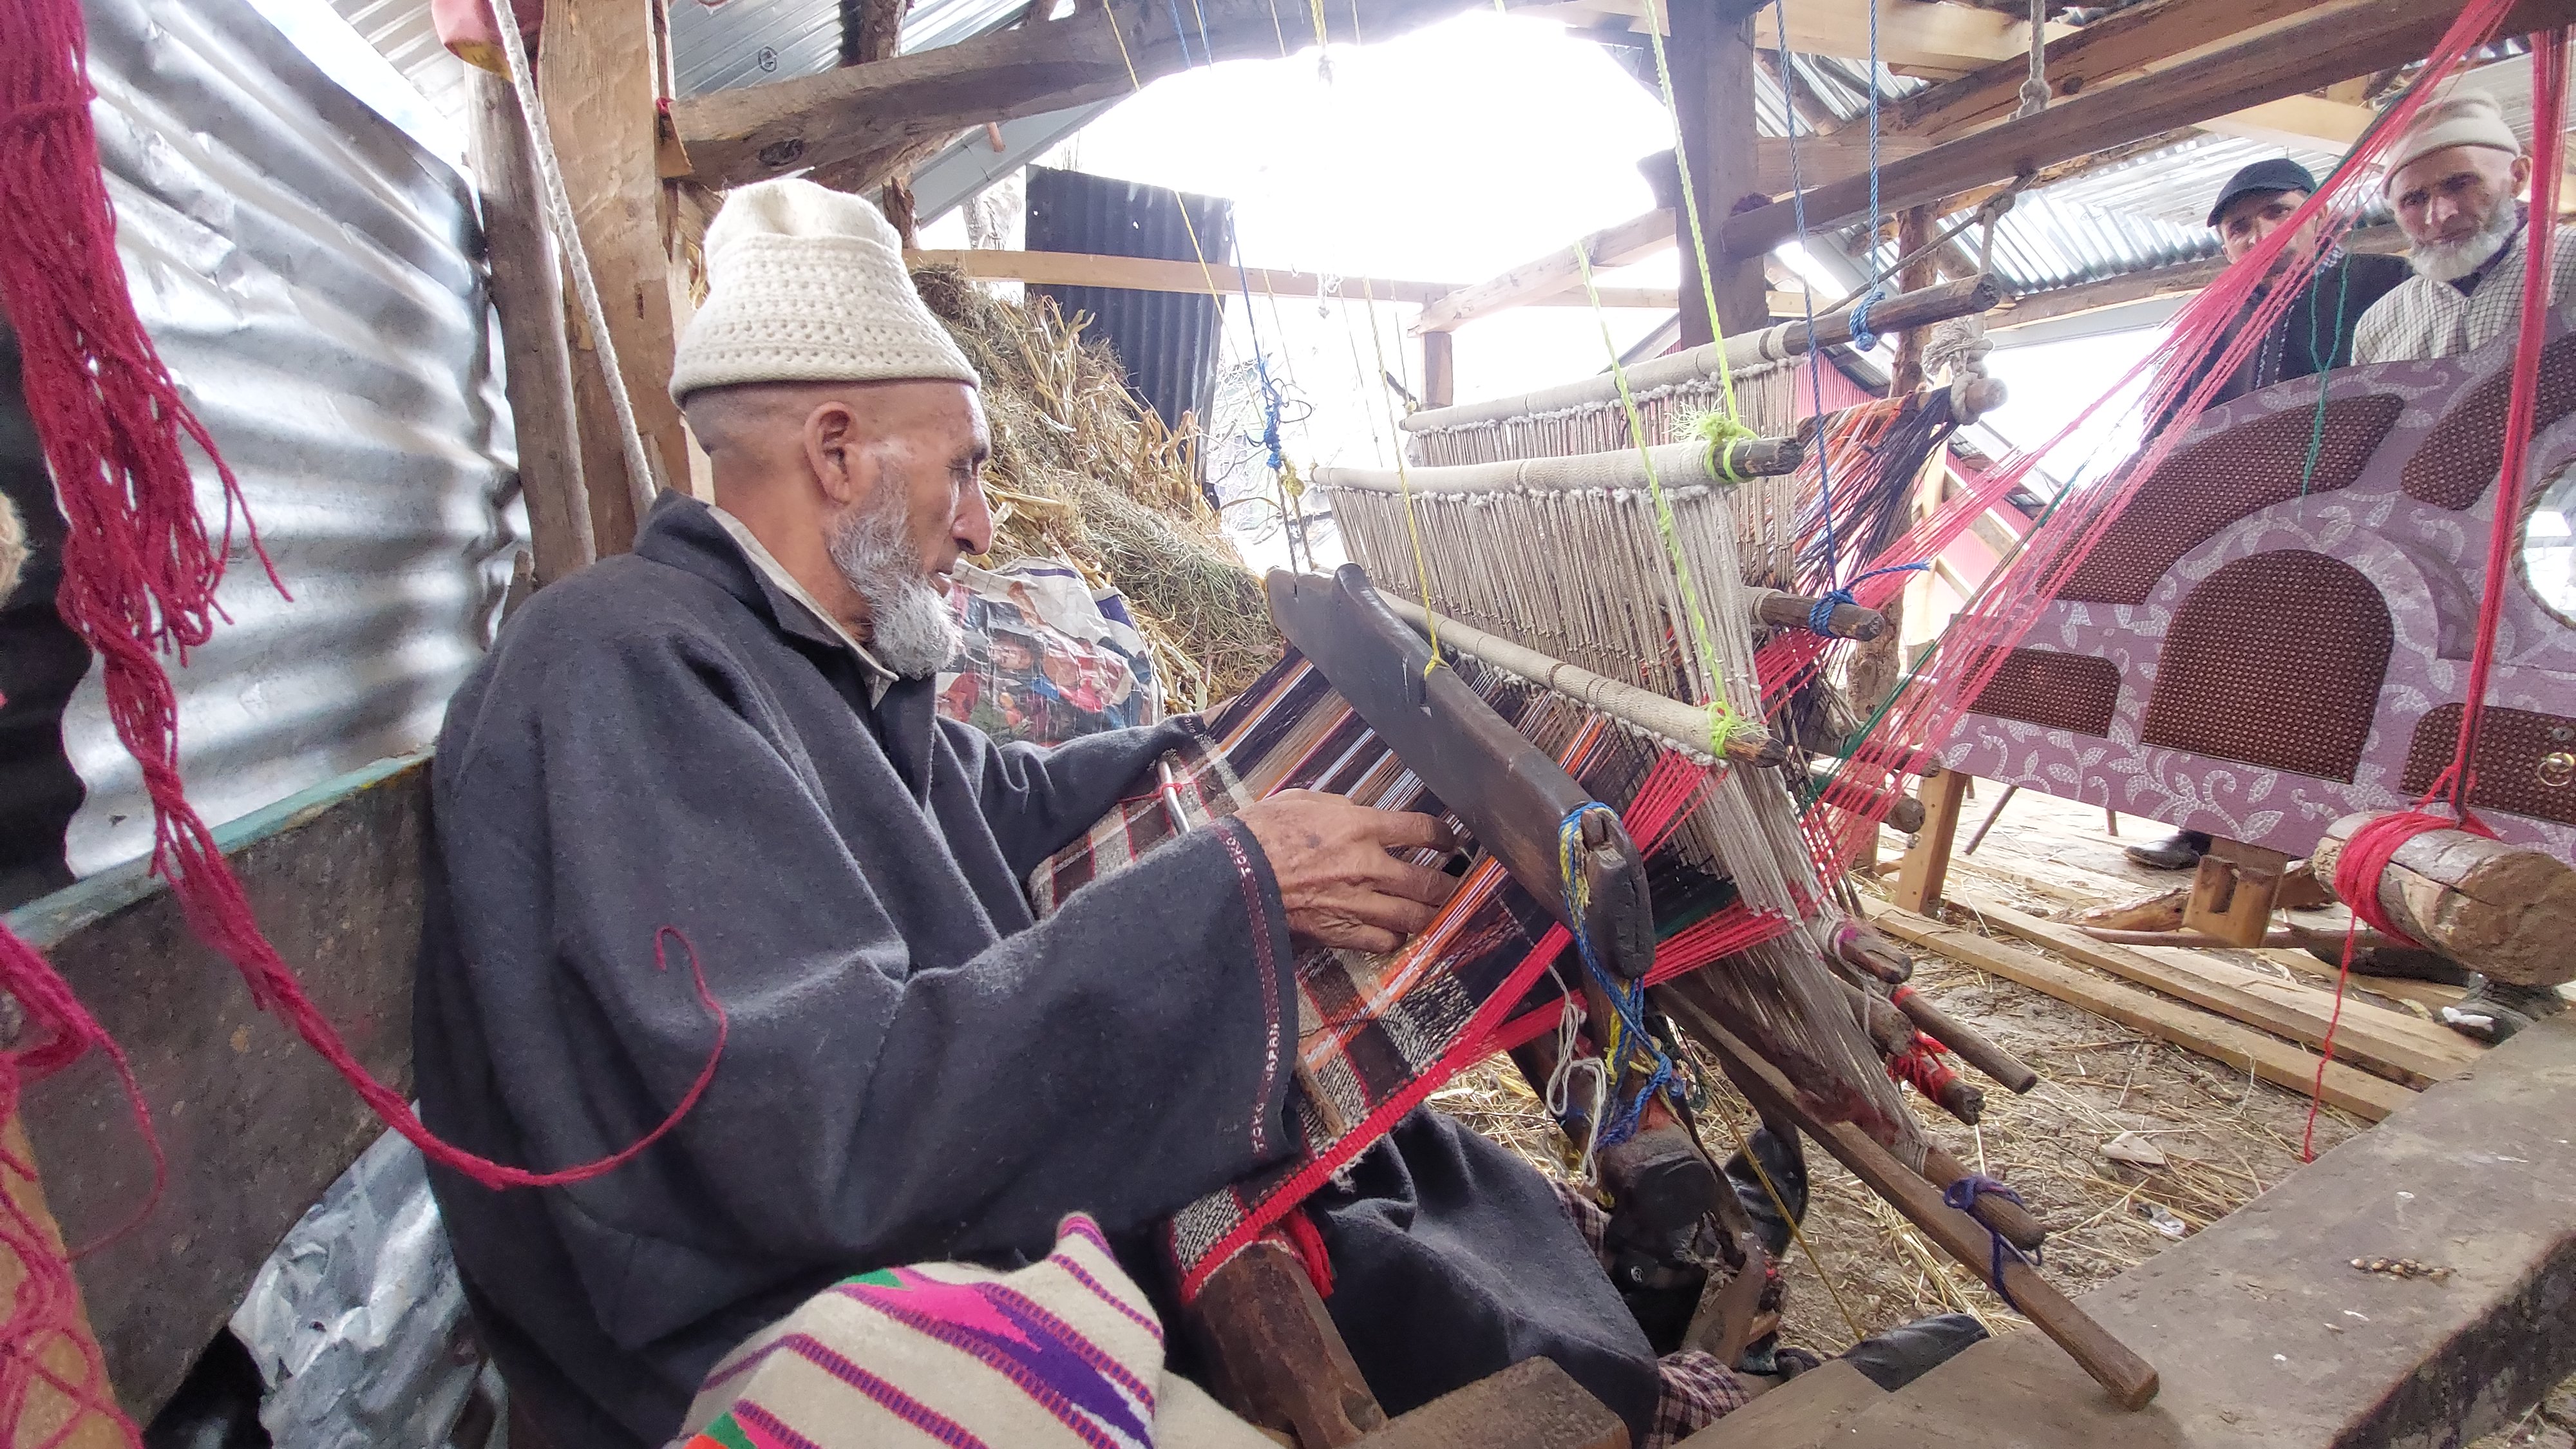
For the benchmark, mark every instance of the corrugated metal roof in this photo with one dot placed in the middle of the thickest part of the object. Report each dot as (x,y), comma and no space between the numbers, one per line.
(1168,340)
(307,271)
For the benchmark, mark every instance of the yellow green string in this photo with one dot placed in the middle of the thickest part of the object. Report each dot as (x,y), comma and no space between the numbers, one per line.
(1723,723)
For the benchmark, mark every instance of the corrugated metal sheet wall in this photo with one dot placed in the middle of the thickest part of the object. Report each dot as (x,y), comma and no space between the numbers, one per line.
(311,277)
(1168,340)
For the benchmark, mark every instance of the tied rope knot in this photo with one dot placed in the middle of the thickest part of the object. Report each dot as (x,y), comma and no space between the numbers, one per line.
(1963,1196)
(1725,434)
(1861,337)
(1724,725)
(1820,618)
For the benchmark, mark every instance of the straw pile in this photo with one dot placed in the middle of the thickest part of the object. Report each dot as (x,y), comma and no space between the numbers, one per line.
(1082,471)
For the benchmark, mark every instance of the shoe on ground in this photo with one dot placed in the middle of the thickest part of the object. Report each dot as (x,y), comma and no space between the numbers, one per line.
(1905,1353)
(2495,1010)
(2180,851)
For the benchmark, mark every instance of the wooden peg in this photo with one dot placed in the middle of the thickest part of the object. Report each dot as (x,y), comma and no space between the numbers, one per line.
(1277,1359)
(1793,611)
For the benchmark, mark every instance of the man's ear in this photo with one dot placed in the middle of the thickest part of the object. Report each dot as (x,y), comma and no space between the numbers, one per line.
(2521,174)
(843,469)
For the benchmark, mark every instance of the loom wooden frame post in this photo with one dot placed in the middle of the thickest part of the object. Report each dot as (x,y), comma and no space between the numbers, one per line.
(2233,891)
(1276,1357)
(1925,867)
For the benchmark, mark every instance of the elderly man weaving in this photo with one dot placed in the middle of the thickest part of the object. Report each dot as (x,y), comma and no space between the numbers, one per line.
(729,733)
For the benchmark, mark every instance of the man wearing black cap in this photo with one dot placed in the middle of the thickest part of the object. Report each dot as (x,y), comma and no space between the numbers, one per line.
(2314,335)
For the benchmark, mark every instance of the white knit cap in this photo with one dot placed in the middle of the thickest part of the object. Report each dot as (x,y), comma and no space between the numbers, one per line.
(2461,120)
(807,284)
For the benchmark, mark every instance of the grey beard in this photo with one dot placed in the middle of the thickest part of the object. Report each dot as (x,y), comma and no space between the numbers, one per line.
(911,630)
(2450,261)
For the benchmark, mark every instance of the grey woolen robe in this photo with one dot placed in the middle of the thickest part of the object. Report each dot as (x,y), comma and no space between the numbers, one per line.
(914,1069)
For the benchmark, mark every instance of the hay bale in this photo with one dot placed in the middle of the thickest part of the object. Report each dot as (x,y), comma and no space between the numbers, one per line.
(1083,471)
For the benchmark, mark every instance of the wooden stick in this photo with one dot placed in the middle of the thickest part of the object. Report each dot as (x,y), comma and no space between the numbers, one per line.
(2507,911)
(1278,1360)
(1966,1042)
(1989,822)
(2130,1379)
(1903,812)
(1794,611)
(1685,725)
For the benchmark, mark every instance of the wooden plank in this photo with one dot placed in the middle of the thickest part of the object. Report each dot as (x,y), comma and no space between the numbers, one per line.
(1932,38)
(2391,1044)
(882,108)
(1927,862)
(2215,1037)
(2117,45)
(1153,274)
(1534,1404)
(2370,36)
(1800,1414)
(255,1125)
(49,1418)
(597,75)
(2310,122)
(527,295)
(1555,274)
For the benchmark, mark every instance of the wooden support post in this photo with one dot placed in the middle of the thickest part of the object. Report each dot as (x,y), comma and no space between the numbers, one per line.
(1713,89)
(1532,1405)
(598,80)
(1439,369)
(1913,233)
(527,292)
(1927,862)
(49,1416)
(1277,1359)
(2231,897)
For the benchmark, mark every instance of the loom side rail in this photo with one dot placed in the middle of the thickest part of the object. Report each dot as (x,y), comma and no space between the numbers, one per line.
(1508,792)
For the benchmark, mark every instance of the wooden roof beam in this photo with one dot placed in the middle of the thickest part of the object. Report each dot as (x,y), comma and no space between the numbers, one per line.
(2142,38)
(1154,274)
(1916,35)
(1553,275)
(2286,62)
(884,106)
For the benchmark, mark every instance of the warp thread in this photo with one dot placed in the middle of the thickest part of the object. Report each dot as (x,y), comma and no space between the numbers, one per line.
(1963,1196)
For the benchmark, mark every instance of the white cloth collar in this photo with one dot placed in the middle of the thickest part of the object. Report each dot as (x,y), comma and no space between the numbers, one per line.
(879,677)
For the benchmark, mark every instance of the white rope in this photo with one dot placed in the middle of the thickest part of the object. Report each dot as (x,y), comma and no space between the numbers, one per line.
(559,217)
(2034,91)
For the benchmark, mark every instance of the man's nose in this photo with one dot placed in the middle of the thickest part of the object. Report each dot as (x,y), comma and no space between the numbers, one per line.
(973,526)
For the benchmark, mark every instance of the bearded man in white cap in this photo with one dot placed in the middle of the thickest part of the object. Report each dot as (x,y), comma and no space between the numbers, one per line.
(2455,179)
(728,734)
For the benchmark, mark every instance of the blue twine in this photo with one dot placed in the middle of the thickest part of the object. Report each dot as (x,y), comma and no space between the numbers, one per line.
(1627,998)
(1820,618)
(1963,1195)
(1182,35)
(1862,337)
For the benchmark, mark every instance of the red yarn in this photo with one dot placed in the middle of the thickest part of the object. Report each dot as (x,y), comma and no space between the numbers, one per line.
(1920,1066)
(1309,1243)
(139,570)
(2162,394)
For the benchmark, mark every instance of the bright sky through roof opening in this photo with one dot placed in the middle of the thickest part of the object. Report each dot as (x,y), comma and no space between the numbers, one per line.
(1446,154)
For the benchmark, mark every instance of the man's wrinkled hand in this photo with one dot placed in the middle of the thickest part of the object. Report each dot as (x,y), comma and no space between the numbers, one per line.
(1337,874)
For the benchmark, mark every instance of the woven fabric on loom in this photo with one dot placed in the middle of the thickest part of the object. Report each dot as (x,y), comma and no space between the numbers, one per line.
(2459,459)
(2274,660)
(1377,1034)
(2515,765)
(2207,485)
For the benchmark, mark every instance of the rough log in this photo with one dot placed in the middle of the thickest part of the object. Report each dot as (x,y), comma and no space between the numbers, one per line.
(2504,910)
(2285,62)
